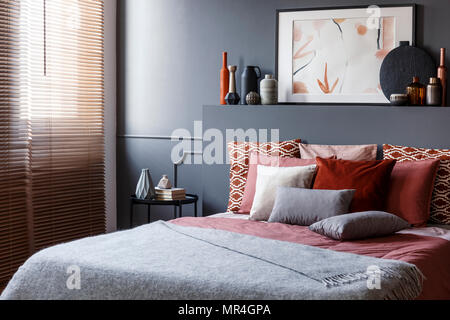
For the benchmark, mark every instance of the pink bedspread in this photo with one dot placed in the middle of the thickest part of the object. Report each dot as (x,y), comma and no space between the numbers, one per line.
(430,254)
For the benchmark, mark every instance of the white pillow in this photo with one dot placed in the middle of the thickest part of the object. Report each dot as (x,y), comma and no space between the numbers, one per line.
(267,181)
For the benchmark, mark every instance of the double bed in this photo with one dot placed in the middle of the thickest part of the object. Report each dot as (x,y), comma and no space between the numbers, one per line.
(227,256)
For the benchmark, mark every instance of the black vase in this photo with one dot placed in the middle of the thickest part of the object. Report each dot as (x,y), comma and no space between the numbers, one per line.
(249,81)
(401,65)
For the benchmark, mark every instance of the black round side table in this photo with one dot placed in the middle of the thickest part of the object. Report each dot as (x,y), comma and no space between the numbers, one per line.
(190,198)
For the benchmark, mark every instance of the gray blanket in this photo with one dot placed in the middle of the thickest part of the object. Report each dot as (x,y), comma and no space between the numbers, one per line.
(165,261)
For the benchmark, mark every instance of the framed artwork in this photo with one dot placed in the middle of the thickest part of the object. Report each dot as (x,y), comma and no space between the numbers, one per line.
(334,55)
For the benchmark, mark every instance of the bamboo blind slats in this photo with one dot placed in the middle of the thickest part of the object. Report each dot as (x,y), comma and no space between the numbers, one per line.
(51,125)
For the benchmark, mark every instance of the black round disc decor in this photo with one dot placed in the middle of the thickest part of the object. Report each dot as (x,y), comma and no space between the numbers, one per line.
(401,65)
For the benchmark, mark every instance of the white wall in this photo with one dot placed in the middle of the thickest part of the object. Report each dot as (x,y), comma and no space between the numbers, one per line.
(110,114)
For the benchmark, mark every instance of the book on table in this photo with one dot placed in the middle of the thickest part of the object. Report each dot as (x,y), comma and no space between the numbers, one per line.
(170,194)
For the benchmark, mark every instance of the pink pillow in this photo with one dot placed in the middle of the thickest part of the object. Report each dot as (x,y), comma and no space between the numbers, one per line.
(410,190)
(357,152)
(270,161)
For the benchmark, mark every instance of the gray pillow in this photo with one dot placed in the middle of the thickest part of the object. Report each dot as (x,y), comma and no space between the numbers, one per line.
(305,206)
(360,225)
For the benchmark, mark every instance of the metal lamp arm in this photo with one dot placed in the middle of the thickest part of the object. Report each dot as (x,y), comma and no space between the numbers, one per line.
(180,162)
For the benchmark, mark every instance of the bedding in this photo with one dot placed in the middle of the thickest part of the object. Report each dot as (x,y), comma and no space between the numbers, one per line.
(370,179)
(343,152)
(269,178)
(440,200)
(305,206)
(428,248)
(359,225)
(197,258)
(239,153)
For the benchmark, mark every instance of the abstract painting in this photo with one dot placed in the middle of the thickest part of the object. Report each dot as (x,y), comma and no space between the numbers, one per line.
(337,56)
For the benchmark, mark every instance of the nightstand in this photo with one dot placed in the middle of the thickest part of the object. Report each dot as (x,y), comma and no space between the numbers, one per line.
(190,199)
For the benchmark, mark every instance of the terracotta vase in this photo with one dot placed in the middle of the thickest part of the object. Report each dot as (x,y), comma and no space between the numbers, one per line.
(442,75)
(224,79)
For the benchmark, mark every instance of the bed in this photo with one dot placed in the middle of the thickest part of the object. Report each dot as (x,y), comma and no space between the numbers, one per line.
(227,256)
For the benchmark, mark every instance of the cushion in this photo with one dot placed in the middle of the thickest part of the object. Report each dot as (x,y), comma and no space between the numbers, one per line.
(410,190)
(269,178)
(356,152)
(440,199)
(359,225)
(239,153)
(304,207)
(258,159)
(370,179)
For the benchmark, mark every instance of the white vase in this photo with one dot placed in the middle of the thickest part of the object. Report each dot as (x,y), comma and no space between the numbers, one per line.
(269,90)
(145,189)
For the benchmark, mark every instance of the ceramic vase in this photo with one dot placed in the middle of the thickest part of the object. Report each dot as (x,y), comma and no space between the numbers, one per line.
(224,79)
(252,98)
(145,189)
(164,183)
(232,97)
(249,81)
(269,90)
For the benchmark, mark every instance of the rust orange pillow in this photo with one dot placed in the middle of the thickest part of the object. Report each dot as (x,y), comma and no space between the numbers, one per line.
(370,179)
(239,154)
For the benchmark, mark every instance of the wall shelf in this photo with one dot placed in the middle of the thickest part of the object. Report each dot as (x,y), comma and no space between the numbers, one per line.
(378,106)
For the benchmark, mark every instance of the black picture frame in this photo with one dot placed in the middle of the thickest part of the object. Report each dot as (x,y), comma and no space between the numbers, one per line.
(278,11)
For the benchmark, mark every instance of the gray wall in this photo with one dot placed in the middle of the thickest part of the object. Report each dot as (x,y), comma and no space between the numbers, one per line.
(168,64)
(406,126)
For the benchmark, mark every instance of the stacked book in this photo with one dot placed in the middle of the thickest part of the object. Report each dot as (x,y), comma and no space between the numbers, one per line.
(170,194)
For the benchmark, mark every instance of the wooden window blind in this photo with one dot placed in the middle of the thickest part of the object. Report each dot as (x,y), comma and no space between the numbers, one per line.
(52,130)
(14,153)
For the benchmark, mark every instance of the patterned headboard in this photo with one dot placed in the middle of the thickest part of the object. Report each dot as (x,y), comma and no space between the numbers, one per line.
(332,124)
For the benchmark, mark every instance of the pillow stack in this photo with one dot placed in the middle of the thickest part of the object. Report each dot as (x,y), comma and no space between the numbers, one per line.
(332,189)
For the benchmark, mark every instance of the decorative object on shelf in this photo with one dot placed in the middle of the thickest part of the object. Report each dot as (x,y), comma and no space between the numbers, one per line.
(416,93)
(434,92)
(269,90)
(442,75)
(249,81)
(399,99)
(145,189)
(402,64)
(232,98)
(164,183)
(334,55)
(252,98)
(224,78)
